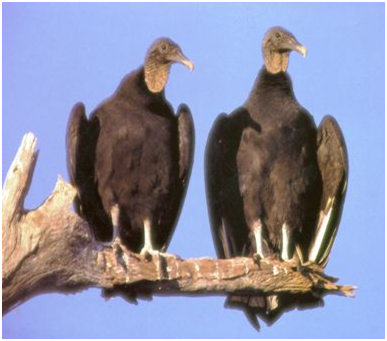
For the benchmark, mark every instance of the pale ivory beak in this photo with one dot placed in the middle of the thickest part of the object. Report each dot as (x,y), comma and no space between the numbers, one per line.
(180,58)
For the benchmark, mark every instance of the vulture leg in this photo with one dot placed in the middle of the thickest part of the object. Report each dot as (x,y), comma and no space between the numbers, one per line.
(272,300)
(287,247)
(148,247)
(115,214)
(257,229)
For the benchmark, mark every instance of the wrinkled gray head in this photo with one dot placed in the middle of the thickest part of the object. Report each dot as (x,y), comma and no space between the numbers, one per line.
(166,51)
(281,40)
(159,58)
(276,47)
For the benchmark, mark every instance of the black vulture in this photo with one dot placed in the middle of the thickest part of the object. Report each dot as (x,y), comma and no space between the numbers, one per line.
(275,183)
(131,160)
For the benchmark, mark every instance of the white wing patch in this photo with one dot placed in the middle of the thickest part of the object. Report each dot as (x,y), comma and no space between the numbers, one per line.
(300,254)
(321,232)
(224,240)
(344,187)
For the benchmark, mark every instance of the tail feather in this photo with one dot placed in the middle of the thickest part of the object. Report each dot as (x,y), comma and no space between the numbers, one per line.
(243,303)
(254,307)
(270,308)
(252,318)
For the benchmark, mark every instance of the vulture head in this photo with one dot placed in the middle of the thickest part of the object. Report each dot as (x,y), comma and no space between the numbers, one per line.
(159,58)
(276,47)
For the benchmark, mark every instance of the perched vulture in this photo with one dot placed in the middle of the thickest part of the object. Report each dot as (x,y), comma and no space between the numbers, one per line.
(275,183)
(131,160)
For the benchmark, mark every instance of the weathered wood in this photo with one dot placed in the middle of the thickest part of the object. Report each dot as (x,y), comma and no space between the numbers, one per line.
(52,249)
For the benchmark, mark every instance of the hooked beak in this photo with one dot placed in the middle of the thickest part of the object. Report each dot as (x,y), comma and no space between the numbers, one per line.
(180,58)
(301,49)
(296,46)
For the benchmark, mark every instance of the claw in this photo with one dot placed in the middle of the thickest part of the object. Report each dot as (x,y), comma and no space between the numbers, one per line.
(149,253)
(257,258)
(170,255)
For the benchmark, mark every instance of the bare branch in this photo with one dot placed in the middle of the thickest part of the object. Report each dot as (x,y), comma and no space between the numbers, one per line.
(52,249)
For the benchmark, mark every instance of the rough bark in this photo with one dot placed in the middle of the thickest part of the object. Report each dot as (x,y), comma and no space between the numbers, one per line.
(52,249)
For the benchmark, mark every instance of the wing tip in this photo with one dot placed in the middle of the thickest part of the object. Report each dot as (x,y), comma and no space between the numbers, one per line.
(183,108)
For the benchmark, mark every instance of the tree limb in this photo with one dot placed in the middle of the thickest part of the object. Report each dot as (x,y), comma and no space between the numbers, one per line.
(53,249)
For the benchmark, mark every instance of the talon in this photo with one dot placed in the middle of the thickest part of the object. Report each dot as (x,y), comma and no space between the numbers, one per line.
(170,255)
(116,244)
(147,256)
(148,253)
(257,258)
(134,255)
(303,269)
(307,264)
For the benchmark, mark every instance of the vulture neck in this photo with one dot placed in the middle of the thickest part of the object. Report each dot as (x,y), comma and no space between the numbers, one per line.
(156,75)
(134,87)
(270,90)
(276,84)
(276,61)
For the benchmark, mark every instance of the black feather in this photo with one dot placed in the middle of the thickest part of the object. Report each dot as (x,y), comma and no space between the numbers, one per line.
(267,162)
(133,152)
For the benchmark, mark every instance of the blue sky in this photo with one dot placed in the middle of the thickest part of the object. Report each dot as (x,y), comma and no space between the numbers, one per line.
(57,54)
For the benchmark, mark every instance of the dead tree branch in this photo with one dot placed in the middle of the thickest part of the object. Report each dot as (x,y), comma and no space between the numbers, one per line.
(52,249)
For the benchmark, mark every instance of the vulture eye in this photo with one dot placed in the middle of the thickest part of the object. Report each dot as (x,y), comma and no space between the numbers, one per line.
(277,35)
(163,47)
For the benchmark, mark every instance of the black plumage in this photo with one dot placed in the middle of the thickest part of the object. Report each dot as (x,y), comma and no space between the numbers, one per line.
(131,160)
(272,177)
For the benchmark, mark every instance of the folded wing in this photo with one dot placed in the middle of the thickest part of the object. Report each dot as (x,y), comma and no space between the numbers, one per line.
(81,140)
(333,165)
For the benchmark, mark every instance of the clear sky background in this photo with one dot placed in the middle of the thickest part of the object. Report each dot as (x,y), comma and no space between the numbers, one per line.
(57,54)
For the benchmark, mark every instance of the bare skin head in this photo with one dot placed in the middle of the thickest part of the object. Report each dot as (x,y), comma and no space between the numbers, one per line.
(276,47)
(159,59)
